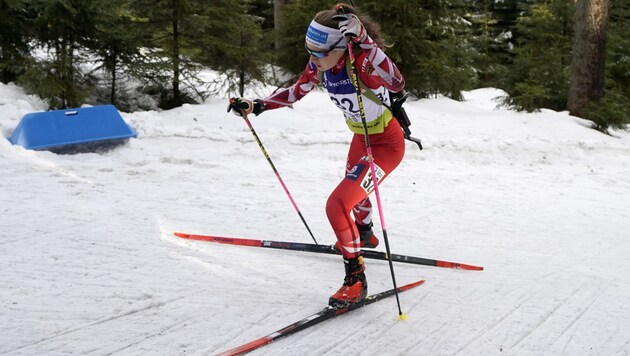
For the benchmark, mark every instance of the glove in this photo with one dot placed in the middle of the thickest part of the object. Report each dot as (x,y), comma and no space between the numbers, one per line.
(245,106)
(351,26)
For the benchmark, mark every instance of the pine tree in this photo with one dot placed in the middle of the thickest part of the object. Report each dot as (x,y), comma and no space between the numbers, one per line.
(63,27)
(264,9)
(117,45)
(403,25)
(189,33)
(14,35)
(238,48)
(161,21)
(506,12)
(450,70)
(539,74)
(493,28)
(432,44)
(618,48)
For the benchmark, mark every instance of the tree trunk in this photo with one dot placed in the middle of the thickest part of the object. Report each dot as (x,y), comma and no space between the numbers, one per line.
(241,82)
(278,7)
(176,63)
(589,55)
(112,93)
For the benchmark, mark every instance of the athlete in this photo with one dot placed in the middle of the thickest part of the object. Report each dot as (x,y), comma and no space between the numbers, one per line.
(327,43)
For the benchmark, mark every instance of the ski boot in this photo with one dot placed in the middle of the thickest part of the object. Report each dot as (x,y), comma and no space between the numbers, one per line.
(366,237)
(368,240)
(354,288)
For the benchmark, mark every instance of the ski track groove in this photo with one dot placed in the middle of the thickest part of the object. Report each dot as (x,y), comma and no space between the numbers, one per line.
(496,324)
(479,334)
(526,293)
(545,318)
(89,325)
(413,307)
(575,320)
(146,338)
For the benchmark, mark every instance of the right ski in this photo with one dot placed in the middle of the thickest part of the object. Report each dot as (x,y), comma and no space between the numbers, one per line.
(328,249)
(314,319)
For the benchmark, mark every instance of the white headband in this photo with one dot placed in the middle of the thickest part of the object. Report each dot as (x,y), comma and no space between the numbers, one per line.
(324,37)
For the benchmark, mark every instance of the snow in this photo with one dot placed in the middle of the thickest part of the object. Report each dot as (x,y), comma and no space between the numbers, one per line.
(89,263)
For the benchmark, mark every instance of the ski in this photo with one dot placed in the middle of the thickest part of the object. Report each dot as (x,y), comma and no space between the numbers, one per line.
(314,319)
(328,249)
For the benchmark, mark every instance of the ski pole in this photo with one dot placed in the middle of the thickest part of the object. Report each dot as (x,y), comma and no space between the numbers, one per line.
(368,148)
(251,128)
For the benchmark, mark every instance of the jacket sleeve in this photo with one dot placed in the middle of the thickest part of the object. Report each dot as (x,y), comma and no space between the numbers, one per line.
(287,96)
(377,69)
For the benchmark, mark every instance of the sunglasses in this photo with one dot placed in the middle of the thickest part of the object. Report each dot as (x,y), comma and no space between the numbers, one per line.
(323,54)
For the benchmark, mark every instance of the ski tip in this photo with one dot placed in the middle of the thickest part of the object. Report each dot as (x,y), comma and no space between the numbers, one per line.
(456,265)
(411,285)
(243,349)
(180,234)
(471,268)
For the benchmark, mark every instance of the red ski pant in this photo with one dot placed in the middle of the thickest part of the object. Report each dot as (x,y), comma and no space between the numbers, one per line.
(388,150)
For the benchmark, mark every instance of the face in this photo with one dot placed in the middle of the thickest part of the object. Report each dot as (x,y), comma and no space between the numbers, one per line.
(329,60)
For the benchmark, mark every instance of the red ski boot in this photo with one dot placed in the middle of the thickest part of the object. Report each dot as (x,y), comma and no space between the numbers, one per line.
(354,288)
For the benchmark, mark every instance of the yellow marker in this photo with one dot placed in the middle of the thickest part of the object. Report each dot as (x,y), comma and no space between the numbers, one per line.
(402,316)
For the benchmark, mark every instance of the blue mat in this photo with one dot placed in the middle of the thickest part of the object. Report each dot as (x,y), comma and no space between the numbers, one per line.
(70,127)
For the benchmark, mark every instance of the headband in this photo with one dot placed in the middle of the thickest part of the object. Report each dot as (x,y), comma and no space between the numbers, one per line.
(324,37)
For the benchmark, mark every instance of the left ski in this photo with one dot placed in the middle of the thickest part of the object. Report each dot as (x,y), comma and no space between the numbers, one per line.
(314,319)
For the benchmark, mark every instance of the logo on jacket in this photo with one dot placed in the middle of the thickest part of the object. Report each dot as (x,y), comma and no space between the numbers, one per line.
(356,171)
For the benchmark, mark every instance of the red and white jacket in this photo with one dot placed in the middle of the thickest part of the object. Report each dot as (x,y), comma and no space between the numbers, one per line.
(377,72)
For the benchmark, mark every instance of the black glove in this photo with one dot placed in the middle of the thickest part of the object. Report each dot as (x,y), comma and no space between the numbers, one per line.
(245,106)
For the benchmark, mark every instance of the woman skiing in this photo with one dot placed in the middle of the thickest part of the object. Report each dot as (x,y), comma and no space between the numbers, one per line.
(327,43)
